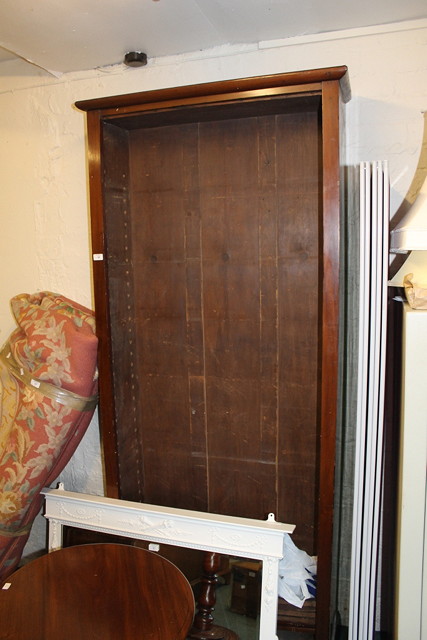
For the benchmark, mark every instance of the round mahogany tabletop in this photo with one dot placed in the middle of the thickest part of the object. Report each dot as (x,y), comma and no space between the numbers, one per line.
(97,592)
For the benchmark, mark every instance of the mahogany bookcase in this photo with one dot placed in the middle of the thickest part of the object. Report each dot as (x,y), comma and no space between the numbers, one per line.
(215,213)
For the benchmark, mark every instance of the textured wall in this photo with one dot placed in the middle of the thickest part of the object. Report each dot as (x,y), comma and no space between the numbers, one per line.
(44,240)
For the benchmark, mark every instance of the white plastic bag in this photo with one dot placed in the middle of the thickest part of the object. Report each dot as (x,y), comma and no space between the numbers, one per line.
(297,574)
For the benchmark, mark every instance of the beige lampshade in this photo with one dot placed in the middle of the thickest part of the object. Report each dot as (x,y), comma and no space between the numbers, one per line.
(411,233)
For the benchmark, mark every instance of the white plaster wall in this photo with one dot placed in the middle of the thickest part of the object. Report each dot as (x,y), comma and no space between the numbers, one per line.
(44,239)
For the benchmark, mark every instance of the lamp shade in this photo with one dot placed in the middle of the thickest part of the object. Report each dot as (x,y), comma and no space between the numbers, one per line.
(411,233)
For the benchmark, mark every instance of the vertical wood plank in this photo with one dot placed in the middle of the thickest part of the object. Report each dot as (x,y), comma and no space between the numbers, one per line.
(298,322)
(329,356)
(103,327)
(168,302)
(124,356)
(268,266)
(231,275)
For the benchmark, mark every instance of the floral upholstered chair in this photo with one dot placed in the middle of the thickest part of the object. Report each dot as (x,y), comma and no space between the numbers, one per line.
(48,386)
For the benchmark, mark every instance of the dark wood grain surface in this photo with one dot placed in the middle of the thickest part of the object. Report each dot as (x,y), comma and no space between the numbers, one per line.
(98,591)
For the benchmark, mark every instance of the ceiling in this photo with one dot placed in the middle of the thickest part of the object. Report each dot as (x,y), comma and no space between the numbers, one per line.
(74,35)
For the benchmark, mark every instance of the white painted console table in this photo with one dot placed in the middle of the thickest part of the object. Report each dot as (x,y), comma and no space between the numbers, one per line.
(256,539)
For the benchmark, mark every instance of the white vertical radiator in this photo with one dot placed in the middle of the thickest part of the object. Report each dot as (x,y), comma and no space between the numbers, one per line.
(374,226)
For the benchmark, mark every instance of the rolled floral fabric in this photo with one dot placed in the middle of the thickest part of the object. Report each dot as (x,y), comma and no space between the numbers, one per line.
(48,387)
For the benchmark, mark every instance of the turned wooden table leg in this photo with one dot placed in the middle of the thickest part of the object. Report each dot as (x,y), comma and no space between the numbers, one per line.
(203,627)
